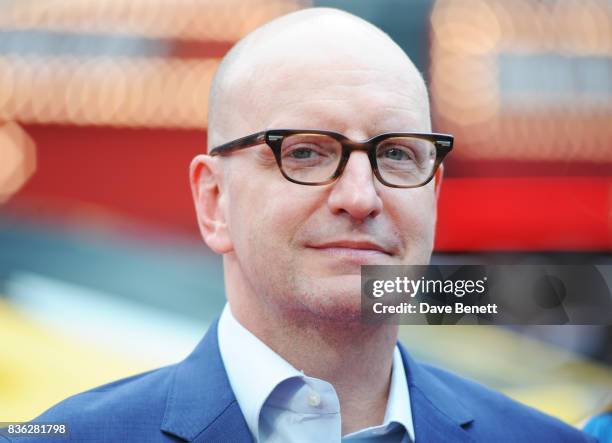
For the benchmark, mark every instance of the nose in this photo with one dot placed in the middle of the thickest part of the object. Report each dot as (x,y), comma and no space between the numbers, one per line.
(354,193)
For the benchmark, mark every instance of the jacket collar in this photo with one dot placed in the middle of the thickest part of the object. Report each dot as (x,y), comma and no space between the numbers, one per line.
(201,405)
(438,414)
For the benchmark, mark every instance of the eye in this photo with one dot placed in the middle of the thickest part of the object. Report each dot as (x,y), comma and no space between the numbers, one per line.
(302,153)
(398,153)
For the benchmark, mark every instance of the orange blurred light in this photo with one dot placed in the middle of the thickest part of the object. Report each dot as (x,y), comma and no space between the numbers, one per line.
(495,120)
(18,159)
(211,20)
(145,92)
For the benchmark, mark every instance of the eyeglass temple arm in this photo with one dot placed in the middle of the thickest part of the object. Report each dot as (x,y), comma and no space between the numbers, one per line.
(241,143)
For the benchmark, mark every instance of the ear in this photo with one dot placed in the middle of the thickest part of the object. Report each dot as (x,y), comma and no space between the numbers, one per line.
(438,180)
(205,176)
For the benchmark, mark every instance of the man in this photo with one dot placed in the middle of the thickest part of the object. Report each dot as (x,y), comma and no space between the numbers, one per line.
(295,214)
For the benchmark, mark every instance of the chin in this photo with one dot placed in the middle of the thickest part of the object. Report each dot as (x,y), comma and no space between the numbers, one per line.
(336,298)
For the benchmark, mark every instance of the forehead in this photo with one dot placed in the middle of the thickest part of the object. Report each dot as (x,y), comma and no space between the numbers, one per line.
(371,99)
(341,95)
(337,75)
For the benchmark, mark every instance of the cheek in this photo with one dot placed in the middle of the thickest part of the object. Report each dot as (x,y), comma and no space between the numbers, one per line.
(413,215)
(410,204)
(421,208)
(264,217)
(264,223)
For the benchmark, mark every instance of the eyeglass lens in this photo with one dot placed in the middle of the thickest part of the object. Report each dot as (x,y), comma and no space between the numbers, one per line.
(401,161)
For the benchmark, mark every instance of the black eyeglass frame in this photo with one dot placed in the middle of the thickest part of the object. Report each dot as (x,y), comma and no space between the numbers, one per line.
(274,139)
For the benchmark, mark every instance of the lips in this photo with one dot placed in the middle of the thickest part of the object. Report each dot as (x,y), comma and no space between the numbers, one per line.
(357,246)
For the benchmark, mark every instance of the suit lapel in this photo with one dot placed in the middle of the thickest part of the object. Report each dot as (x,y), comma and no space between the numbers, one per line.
(201,405)
(438,414)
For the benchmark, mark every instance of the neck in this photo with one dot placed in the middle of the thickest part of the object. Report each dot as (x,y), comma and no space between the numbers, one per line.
(355,357)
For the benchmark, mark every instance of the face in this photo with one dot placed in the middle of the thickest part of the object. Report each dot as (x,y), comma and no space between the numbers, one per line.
(300,248)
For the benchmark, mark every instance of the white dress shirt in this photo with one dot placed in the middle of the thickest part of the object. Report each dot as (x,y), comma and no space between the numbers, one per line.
(282,404)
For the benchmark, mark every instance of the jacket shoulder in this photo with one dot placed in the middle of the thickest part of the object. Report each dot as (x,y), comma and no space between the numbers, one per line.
(125,409)
(495,413)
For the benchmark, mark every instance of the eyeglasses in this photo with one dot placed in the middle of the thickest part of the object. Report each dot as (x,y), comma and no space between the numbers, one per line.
(314,157)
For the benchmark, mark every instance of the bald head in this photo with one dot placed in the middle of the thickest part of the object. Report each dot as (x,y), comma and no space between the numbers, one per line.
(320,53)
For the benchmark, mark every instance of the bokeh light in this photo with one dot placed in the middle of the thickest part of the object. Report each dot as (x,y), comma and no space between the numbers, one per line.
(524,80)
(18,154)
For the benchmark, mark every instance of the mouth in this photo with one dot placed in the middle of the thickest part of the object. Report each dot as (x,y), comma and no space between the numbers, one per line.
(362,252)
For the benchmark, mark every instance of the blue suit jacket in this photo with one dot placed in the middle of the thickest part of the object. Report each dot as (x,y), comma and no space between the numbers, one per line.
(193,401)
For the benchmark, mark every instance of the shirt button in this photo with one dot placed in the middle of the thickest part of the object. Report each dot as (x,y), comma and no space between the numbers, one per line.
(314,399)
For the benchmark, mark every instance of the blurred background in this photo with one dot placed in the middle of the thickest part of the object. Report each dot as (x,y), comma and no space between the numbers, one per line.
(103,104)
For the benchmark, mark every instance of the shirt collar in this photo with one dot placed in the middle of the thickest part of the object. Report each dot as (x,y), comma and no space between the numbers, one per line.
(398,405)
(253,369)
(246,359)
